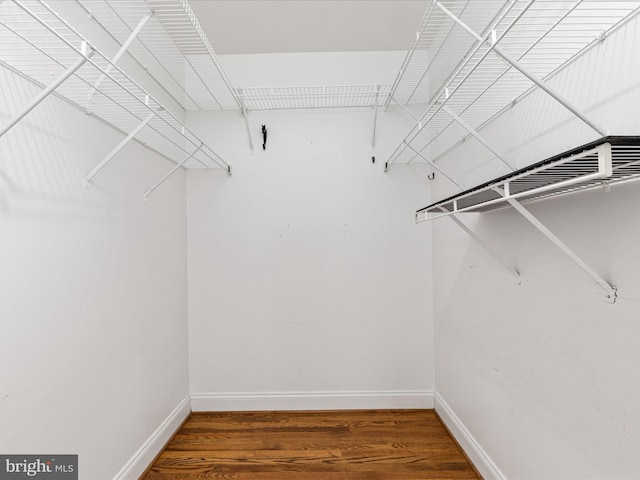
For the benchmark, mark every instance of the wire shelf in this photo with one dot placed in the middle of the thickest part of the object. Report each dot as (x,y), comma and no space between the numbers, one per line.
(602,163)
(540,35)
(171,47)
(345,96)
(439,47)
(36,42)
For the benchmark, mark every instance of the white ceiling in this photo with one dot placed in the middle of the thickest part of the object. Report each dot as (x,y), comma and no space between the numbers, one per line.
(276,26)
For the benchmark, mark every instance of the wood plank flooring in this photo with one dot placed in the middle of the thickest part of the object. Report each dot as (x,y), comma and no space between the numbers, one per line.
(332,445)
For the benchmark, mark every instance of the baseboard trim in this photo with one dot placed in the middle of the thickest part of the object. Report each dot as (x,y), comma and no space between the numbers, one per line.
(230,402)
(141,460)
(200,402)
(481,460)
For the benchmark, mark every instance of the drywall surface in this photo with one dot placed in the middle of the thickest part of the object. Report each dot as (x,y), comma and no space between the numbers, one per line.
(546,375)
(307,273)
(307,69)
(93,342)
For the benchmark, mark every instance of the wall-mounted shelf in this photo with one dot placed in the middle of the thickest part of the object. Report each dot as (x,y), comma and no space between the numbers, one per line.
(438,48)
(326,96)
(482,63)
(598,164)
(41,46)
(314,97)
(166,40)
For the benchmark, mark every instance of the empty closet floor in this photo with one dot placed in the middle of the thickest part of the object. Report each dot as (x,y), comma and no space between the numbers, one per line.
(332,445)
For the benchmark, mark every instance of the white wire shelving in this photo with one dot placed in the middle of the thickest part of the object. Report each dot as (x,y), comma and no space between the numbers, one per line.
(497,58)
(165,38)
(438,49)
(325,96)
(600,164)
(38,44)
(314,97)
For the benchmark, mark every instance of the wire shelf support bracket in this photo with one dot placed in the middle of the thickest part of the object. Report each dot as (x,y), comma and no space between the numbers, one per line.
(117,56)
(404,108)
(245,116)
(375,122)
(599,164)
(115,151)
(170,173)
(508,268)
(479,137)
(610,291)
(512,271)
(87,52)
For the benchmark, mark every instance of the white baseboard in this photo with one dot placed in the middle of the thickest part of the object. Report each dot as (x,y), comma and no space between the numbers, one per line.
(155,443)
(359,400)
(202,402)
(483,463)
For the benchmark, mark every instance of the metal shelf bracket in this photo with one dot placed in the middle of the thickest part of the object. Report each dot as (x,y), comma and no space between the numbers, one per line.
(478,137)
(119,147)
(117,57)
(375,122)
(485,246)
(246,118)
(604,166)
(173,170)
(87,53)
(606,161)
(610,290)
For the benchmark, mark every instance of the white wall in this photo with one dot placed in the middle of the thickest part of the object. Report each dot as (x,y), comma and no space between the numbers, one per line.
(307,69)
(545,376)
(93,342)
(306,271)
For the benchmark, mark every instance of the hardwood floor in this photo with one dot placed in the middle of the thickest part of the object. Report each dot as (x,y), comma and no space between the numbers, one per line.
(339,445)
